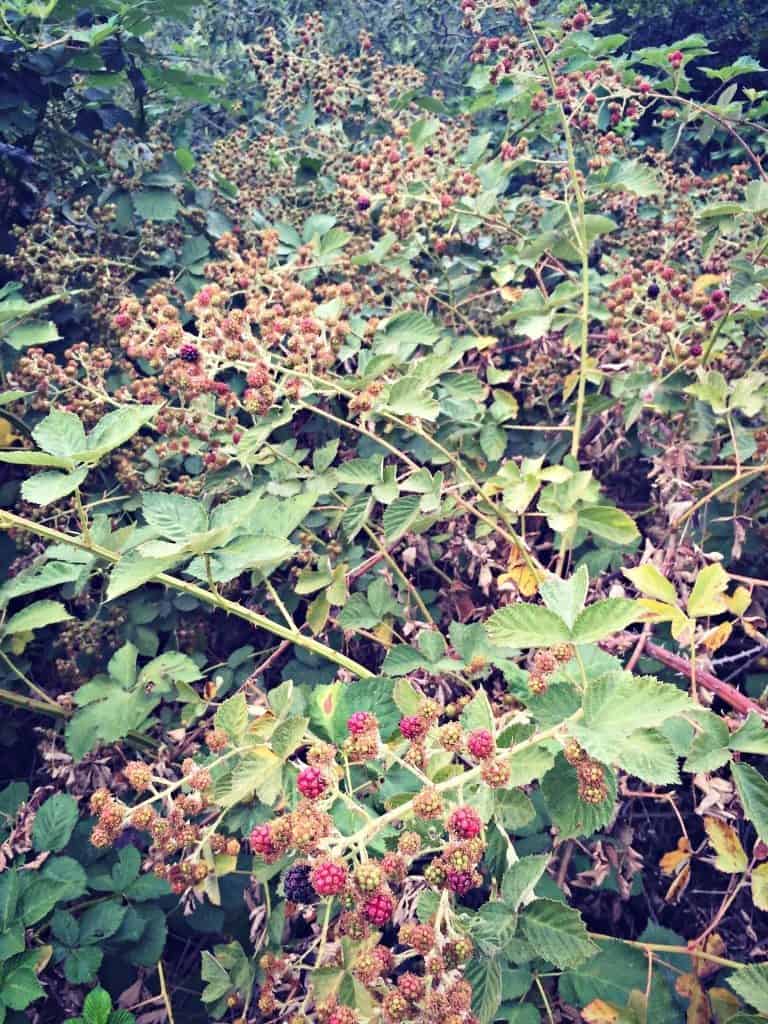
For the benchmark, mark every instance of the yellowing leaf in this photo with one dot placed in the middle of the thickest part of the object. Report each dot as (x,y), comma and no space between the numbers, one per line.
(760,886)
(525,579)
(510,294)
(726,843)
(688,985)
(673,861)
(739,601)
(715,638)
(383,632)
(658,611)
(224,864)
(725,1004)
(705,281)
(708,594)
(678,886)
(7,436)
(650,581)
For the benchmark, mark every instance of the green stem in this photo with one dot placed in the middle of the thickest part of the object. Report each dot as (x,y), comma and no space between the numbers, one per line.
(10,520)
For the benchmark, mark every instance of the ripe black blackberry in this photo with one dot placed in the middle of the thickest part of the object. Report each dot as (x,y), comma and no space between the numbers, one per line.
(297,886)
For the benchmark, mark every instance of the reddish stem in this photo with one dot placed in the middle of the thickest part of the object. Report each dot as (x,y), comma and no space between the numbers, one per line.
(737,700)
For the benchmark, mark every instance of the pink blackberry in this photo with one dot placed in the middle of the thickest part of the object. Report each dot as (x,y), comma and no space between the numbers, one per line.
(465,822)
(480,744)
(361,722)
(413,727)
(328,878)
(312,783)
(378,909)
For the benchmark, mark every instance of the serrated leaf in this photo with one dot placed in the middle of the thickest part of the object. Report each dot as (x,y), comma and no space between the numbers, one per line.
(54,822)
(97,1007)
(753,793)
(725,841)
(60,433)
(45,488)
(36,616)
(232,717)
(484,975)
(760,886)
(566,597)
(650,756)
(751,983)
(99,922)
(521,878)
(398,517)
(117,427)
(557,933)
(600,620)
(174,516)
(752,737)
(650,581)
(609,523)
(527,625)
(571,816)
(707,596)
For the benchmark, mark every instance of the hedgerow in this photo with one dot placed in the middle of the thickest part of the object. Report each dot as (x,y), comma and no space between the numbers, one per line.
(383,499)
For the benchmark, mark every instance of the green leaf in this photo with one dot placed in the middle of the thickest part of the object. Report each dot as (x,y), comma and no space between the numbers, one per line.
(566,597)
(752,737)
(117,427)
(36,616)
(600,620)
(571,816)
(521,878)
(174,516)
(232,717)
(82,964)
(484,975)
(527,625)
(97,1007)
(400,516)
(9,894)
(60,433)
(557,933)
(288,735)
(631,176)
(751,983)
(54,822)
(410,329)
(134,571)
(155,204)
(45,488)
(650,756)
(36,332)
(609,523)
(19,985)
(99,922)
(753,793)
(493,441)
(478,713)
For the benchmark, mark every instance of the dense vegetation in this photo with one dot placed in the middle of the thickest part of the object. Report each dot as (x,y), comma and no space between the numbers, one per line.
(383,434)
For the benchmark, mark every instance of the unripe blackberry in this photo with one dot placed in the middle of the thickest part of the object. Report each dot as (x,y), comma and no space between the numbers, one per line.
(353,925)
(297,885)
(138,775)
(495,773)
(429,709)
(428,804)
(142,817)
(409,844)
(343,1015)
(480,744)
(562,652)
(100,838)
(420,936)
(537,685)
(411,986)
(434,874)
(395,1007)
(329,878)
(450,736)
(320,754)
(99,798)
(361,722)
(311,783)
(544,662)
(367,967)
(394,867)
(378,909)
(573,751)
(465,822)
(216,740)
(435,965)
(368,876)
(262,841)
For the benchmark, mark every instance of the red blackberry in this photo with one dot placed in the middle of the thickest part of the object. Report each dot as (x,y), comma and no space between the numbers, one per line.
(460,882)
(378,909)
(411,985)
(261,840)
(328,878)
(312,783)
(480,744)
(413,727)
(465,822)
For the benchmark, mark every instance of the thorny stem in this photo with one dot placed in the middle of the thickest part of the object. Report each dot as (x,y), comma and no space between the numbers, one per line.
(659,947)
(367,832)
(10,520)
